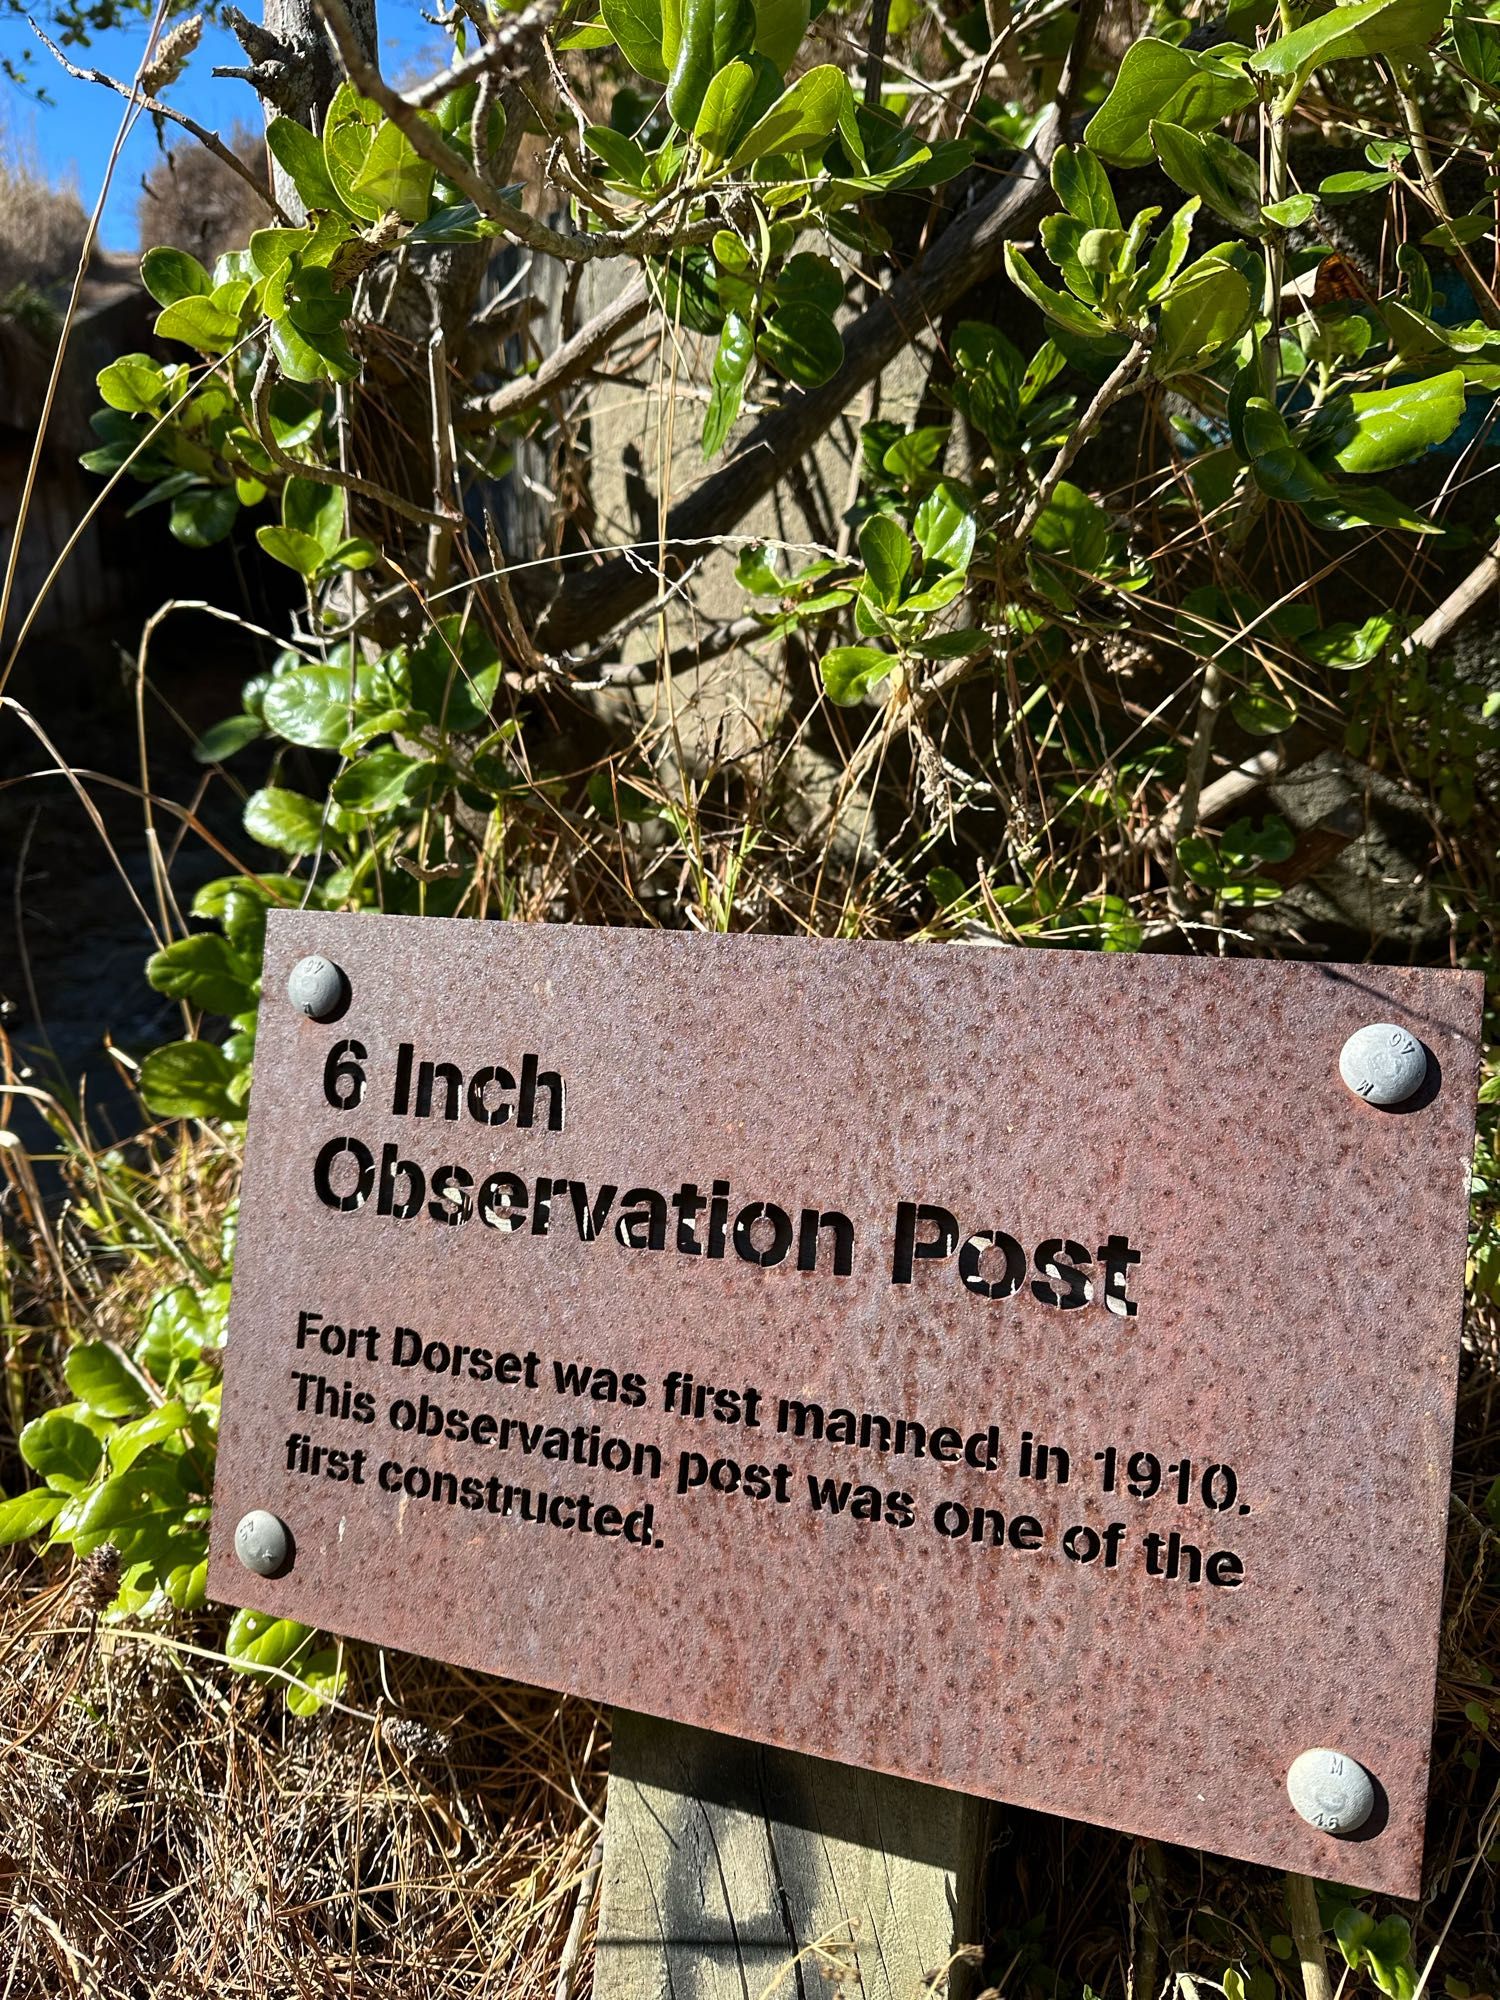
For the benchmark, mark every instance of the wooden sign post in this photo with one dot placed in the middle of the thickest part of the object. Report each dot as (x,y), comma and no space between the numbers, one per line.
(1028,1374)
(732,1869)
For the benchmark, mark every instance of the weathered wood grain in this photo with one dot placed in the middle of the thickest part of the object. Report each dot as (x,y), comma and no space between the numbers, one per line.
(734,1872)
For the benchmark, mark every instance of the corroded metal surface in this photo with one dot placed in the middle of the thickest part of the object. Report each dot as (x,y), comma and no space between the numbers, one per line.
(1294,1258)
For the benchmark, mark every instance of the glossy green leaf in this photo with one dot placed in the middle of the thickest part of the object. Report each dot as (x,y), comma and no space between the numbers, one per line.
(310,357)
(779,28)
(199,322)
(1167,255)
(135,383)
(167,489)
(300,156)
(945,528)
(671,31)
(1231,865)
(297,551)
(1284,472)
(712,34)
(732,360)
(1062,307)
(802,343)
(914,454)
(284,820)
(129,1440)
(1209,166)
(767,84)
(731,253)
(204,515)
(1476,42)
(380,780)
(224,738)
(29,1514)
(319,1680)
(215,899)
(1263,710)
(102,1382)
(885,550)
(310,706)
(1367,28)
(1344,646)
(170,275)
(587,35)
(624,158)
(182,1325)
(1075,531)
(959,645)
(203,970)
(1394,425)
(934,594)
(756,573)
(458,222)
(1083,188)
(349,127)
(186,1584)
(1291,213)
(1162,80)
(810,280)
(1463,229)
(637,26)
(449,677)
(393,175)
(803,117)
(273,253)
(850,672)
(189,1080)
(1345,186)
(143,1512)
(256,1640)
(1205,310)
(316,508)
(1087,259)
(57,1446)
(690,291)
(726,103)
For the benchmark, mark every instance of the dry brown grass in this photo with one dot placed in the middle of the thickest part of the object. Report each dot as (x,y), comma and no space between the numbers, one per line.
(175,1831)
(42,226)
(171,1829)
(166,1826)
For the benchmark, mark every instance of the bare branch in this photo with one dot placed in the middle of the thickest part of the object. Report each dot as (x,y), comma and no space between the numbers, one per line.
(157,109)
(570,362)
(508,51)
(1124,381)
(330,475)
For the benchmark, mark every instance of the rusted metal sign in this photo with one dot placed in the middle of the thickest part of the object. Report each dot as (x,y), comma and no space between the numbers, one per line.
(1030,1372)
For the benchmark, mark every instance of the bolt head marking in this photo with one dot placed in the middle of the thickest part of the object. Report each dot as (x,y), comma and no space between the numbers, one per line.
(262,1543)
(315,988)
(1330,1791)
(1383,1063)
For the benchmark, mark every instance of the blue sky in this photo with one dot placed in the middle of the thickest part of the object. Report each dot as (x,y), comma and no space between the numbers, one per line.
(70,138)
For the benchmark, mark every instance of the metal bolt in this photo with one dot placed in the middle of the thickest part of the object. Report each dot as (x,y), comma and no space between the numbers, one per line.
(316,988)
(1331,1791)
(262,1543)
(1383,1064)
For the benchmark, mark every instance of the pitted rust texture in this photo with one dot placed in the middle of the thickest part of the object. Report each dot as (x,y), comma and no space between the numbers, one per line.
(1299,1297)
